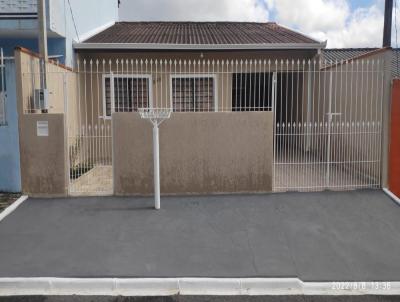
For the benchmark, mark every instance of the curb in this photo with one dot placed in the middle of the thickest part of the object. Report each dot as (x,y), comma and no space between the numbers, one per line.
(189,286)
(391,195)
(11,208)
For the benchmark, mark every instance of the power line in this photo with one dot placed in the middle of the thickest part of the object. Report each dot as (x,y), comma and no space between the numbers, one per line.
(73,20)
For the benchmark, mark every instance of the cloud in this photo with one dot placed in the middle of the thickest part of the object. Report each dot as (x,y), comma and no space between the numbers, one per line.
(310,15)
(333,20)
(363,28)
(193,10)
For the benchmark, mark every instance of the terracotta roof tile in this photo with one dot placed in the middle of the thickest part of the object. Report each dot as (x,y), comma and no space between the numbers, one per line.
(200,33)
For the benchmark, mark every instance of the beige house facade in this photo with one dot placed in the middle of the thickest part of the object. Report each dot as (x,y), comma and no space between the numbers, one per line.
(253,109)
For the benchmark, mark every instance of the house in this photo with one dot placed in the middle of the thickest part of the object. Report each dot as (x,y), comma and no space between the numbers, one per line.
(254,109)
(19,27)
(339,54)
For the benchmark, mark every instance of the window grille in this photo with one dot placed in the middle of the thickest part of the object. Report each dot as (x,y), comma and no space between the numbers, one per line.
(193,94)
(129,93)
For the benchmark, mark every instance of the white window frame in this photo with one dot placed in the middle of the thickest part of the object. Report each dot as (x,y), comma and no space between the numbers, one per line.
(195,76)
(112,76)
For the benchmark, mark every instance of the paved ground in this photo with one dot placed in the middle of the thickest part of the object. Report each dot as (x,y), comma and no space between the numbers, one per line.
(307,172)
(98,179)
(323,236)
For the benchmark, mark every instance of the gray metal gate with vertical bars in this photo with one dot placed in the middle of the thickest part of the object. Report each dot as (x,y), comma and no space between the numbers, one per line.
(328,121)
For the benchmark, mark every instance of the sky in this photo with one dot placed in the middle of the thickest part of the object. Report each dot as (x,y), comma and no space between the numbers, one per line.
(342,23)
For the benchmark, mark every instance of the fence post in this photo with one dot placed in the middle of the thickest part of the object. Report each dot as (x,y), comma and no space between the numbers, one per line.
(156,157)
(328,148)
(309,89)
(66,134)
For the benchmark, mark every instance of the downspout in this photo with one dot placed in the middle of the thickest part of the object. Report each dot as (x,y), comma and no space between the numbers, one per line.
(387,93)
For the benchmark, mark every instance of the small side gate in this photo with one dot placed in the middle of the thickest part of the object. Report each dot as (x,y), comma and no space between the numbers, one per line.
(328,125)
(89,130)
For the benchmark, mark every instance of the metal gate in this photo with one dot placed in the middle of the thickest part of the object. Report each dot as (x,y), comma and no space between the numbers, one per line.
(89,131)
(328,119)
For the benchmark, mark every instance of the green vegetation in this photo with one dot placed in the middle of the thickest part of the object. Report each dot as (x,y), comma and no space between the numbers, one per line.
(7,198)
(79,169)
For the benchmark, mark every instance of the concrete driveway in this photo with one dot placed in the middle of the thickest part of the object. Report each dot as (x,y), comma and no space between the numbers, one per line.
(324,236)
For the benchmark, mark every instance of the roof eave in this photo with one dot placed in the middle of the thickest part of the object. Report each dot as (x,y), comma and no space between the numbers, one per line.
(159,46)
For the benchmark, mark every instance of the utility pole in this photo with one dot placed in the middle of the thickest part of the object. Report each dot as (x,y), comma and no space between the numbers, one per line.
(387,26)
(43,95)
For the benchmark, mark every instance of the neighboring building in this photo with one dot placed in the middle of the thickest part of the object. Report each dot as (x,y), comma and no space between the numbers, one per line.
(343,54)
(69,21)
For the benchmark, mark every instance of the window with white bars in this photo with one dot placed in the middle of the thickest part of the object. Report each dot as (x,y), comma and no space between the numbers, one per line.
(128,93)
(252,91)
(193,93)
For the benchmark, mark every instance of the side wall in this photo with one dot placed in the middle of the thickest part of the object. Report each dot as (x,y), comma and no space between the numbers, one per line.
(199,153)
(10,177)
(30,80)
(394,158)
(42,158)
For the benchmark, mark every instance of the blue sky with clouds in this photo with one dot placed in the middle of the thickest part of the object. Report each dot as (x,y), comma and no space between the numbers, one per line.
(354,4)
(342,23)
(361,3)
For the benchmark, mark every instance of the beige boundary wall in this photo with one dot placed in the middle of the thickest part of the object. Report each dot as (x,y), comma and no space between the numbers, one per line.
(43,158)
(199,153)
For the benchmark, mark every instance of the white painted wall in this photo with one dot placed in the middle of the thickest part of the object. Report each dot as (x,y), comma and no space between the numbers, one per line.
(90,16)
